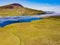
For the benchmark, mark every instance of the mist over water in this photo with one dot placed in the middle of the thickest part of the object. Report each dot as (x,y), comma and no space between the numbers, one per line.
(19,19)
(47,14)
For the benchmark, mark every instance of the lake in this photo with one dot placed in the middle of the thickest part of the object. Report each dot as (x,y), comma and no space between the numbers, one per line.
(19,19)
(16,19)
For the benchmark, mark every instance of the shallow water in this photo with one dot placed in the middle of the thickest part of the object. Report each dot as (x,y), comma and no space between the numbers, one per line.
(17,19)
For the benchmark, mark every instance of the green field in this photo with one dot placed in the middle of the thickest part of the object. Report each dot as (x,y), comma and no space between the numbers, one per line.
(39,32)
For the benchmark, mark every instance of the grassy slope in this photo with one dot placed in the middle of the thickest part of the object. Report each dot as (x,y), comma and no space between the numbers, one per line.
(40,32)
(18,10)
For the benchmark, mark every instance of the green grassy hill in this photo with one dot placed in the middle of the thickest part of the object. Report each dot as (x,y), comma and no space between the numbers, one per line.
(39,32)
(17,9)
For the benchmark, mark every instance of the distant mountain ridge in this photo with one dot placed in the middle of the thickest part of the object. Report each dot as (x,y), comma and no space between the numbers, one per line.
(16,4)
(49,12)
(16,9)
(11,6)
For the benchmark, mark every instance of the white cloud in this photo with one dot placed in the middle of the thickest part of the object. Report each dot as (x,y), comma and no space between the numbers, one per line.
(44,7)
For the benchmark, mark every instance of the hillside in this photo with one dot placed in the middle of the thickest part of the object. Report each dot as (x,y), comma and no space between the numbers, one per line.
(17,9)
(40,32)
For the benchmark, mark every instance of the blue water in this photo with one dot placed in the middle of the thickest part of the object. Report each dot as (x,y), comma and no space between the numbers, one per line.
(11,20)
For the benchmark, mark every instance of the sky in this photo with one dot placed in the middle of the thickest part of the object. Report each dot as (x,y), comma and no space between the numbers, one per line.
(45,5)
